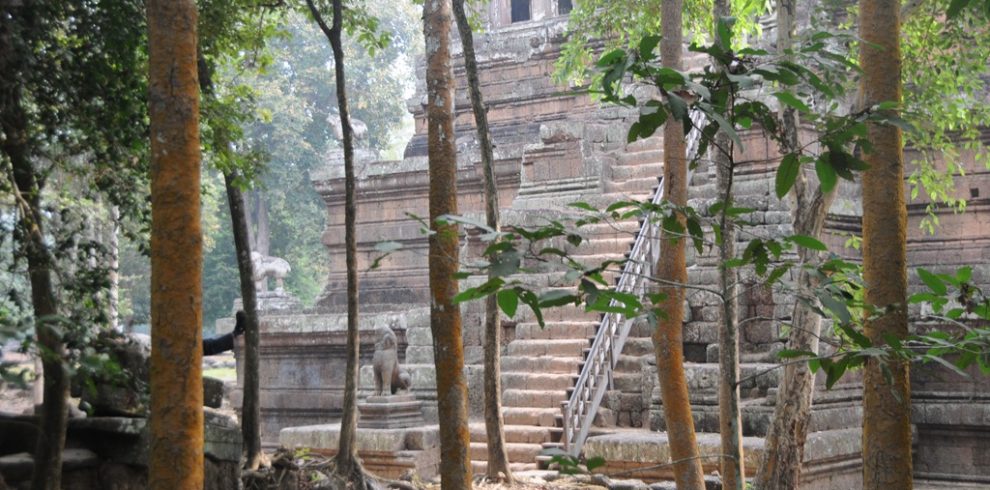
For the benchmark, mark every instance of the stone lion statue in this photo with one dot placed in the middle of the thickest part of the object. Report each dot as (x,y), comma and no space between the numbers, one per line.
(265,266)
(389,377)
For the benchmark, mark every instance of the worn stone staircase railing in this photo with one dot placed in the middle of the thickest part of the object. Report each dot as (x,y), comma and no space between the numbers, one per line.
(596,375)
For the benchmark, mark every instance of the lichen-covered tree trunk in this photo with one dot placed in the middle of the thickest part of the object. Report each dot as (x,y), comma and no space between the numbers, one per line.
(668,338)
(498,460)
(445,316)
(347,461)
(250,406)
(886,405)
(176,459)
(780,466)
(730,418)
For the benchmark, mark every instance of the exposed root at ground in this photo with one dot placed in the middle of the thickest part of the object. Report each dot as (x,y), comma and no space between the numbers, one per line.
(289,471)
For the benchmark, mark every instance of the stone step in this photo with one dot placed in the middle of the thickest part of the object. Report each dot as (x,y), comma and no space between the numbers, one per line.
(645,158)
(537,381)
(638,346)
(516,451)
(695,332)
(567,313)
(638,448)
(755,416)
(517,433)
(629,363)
(641,185)
(646,144)
(556,330)
(617,229)
(540,398)
(605,245)
(538,417)
(534,348)
(542,364)
(756,380)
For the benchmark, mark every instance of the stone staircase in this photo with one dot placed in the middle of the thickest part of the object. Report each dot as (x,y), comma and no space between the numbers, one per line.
(540,365)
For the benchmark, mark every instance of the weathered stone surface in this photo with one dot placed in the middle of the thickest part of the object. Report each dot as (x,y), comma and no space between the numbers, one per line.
(392,453)
(390,412)
(212,392)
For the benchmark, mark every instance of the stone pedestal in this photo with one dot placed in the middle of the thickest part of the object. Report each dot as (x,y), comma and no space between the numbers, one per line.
(391,453)
(391,412)
(273,302)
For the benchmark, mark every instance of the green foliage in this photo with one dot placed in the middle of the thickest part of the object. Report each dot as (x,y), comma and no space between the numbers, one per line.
(73,77)
(274,104)
(626,23)
(570,465)
(944,74)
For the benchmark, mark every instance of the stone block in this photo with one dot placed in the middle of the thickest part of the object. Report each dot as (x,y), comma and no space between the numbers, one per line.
(212,392)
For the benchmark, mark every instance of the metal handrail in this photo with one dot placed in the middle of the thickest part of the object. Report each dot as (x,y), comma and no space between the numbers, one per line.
(596,375)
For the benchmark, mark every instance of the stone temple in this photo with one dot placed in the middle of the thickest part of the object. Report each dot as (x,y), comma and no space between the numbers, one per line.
(556,145)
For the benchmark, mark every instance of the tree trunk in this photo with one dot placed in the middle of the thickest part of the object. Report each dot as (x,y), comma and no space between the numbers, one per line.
(48,453)
(668,343)
(445,316)
(27,189)
(176,459)
(730,418)
(498,460)
(780,466)
(886,406)
(113,307)
(250,406)
(347,461)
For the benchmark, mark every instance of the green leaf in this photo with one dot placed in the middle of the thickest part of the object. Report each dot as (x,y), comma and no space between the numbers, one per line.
(595,462)
(827,177)
(787,174)
(932,281)
(777,273)
(789,99)
(697,234)
(678,107)
(808,242)
(834,373)
(838,308)
(558,297)
(610,58)
(582,205)
(790,354)
(489,287)
(508,301)
(647,45)
(724,29)
(964,274)
(952,367)
(955,7)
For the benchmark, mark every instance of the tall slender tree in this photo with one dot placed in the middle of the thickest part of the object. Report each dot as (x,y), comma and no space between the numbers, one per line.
(445,316)
(498,460)
(66,80)
(176,459)
(886,398)
(730,418)
(668,338)
(17,25)
(780,466)
(347,461)
(48,453)
(251,403)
